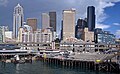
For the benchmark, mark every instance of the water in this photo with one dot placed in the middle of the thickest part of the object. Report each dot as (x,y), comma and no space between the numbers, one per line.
(38,67)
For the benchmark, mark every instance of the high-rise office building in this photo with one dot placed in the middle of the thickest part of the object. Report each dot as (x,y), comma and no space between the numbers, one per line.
(33,23)
(68,24)
(91,18)
(81,24)
(18,18)
(61,30)
(53,20)
(45,21)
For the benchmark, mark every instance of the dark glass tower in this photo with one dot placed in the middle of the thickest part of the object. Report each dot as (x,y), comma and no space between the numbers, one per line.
(81,24)
(61,30)
(91,18)
(53,20)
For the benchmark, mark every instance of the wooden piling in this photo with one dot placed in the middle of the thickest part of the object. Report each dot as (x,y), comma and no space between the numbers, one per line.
(91,65)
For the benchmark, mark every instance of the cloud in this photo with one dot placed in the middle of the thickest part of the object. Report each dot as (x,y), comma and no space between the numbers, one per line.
(39,6)
(116,24)
(3,2)
(102,26)
(118,33)
(100,6)
(81,8)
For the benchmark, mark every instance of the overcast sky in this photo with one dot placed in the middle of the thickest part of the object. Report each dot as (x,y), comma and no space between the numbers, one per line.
(107,11)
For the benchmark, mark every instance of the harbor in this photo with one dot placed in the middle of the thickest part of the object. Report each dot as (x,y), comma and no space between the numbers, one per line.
(38,67)
(89,58)
(60,37)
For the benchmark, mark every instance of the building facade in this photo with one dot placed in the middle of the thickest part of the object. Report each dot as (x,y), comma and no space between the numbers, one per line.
(53,20)
(3,29)
(8,34)
(81,24)
(88,36)
(104,37)
(68,24)
(91,18)
(1,38)
(33,23)
(44,35)
(21,31)
(24,33)
(45,21)
(18,18)
(1,35)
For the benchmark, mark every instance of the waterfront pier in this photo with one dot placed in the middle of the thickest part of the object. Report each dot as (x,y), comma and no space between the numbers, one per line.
(98,57)
(88,65)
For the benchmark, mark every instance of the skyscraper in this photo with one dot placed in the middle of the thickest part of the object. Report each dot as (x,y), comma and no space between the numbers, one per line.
(33,23)
(18,18)
(68,24)
(81,24)
(91,18)
(53,20)
(45,21)
(61,30)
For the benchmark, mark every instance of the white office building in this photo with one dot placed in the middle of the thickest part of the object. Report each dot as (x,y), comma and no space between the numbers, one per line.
(68,24)
(45,21)
(18,18)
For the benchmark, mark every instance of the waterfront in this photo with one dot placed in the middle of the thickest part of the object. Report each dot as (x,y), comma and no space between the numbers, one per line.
(38,67)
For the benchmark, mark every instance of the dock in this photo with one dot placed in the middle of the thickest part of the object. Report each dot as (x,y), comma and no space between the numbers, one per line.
(96,57)
(88,65)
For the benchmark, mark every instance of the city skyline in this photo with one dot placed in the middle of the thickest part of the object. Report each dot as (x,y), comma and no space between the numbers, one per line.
(112,21)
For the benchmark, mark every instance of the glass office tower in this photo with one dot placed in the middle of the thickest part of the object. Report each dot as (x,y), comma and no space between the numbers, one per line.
(91,18)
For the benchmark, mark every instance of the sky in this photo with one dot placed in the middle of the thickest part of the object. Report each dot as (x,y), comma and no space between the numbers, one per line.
(107,11)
